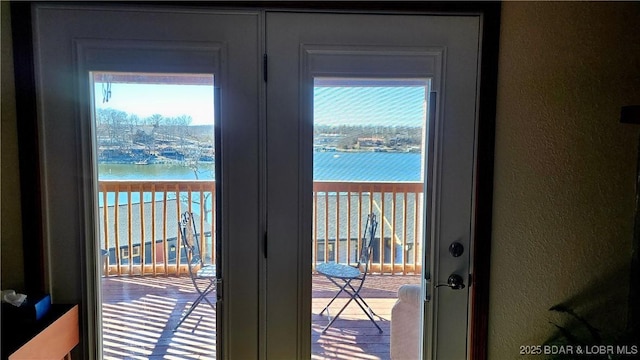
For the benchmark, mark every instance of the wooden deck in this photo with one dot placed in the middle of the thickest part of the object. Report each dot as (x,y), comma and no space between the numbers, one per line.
(139,314)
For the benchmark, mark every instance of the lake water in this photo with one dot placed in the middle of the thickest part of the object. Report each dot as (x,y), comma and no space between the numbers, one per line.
(337,166)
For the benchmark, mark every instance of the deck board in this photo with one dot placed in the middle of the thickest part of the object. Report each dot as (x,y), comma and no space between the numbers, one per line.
(139,314)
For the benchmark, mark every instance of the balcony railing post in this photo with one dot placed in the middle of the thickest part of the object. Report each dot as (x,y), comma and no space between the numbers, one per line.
(404,194)
(153,230)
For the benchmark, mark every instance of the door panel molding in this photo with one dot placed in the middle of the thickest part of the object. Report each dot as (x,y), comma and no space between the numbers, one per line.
(150,56)
(366,61)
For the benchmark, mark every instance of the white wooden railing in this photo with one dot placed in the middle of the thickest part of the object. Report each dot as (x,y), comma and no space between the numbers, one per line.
(142,237)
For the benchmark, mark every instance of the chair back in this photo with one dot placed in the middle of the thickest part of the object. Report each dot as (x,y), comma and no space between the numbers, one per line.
(190,241)
(366,249)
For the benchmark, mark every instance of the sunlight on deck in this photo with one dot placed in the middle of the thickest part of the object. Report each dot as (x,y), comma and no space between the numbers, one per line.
(140,313)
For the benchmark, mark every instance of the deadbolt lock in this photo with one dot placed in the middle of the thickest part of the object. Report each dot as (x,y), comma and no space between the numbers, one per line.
(456,249)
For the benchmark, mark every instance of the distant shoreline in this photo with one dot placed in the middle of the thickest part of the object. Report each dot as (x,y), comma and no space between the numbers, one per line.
(151,160)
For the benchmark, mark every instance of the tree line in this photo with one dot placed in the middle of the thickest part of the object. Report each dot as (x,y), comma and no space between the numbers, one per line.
(346,136)
(121,129)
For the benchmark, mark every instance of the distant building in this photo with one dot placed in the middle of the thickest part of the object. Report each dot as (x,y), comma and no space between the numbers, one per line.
(370,141)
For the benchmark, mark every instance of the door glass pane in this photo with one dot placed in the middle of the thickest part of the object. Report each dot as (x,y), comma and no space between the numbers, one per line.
(369,156)
(155,159)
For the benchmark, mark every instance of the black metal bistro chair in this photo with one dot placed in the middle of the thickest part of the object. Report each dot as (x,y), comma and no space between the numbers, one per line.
(202,275)
(351,278)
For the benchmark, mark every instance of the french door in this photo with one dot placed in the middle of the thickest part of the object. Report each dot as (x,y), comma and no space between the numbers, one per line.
(267,69)
(86,50)
(394,56)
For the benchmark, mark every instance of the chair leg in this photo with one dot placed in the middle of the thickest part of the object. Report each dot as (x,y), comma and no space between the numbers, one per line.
(184,317)
(354,297)
(202,296)
(357,294)
(354,294)
(342,289)
(191,308)
(334,318)
(369,313)
(207,291)
(210,304)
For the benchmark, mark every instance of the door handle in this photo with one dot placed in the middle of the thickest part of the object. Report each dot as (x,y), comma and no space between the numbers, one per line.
(454,281)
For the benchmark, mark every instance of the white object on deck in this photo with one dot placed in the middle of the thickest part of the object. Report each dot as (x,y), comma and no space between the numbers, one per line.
(405,324)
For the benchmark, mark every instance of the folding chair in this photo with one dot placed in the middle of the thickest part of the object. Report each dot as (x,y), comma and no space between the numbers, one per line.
(203,276)
(345,276)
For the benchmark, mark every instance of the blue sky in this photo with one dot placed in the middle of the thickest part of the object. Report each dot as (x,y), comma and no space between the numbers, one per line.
(336,103)
(145,100)
(369,105)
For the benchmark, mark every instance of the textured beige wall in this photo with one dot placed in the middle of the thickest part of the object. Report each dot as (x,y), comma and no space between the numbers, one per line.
(11,234)
(564,168)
